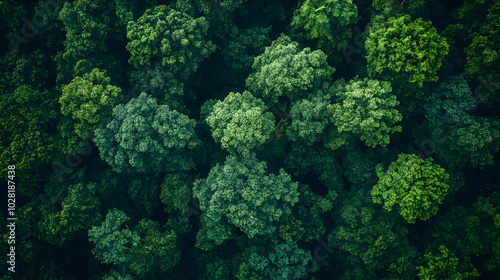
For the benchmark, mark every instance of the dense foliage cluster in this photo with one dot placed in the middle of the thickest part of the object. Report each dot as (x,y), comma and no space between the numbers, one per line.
(238,139)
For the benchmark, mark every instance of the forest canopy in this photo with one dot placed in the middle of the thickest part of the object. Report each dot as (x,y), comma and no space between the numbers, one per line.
(262,139)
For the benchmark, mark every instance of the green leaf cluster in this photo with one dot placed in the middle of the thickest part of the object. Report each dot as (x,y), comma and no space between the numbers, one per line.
(414,185)
(326,21)
(240,121)
(285,70)
(143,136)
(400,49)
(366,107)
(242,194)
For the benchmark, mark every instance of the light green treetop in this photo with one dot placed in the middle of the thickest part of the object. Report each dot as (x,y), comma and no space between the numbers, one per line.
(241,193)
(366,107)
(240,121)
(414,185)
(284,70)
(88,100)
(401,49)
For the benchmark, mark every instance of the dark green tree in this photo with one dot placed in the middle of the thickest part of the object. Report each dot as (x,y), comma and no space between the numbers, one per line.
(112,240)
(170,42)
(327,22)
(286,261)
(474,140)
(372,241)
(28,119)
(143,136)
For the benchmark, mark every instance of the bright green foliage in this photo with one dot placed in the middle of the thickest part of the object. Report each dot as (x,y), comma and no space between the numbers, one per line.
(240,121)
(309,119)
(156,249)
(366,107)
(144,137)
(372,240)
(28,141)
(414,185)
(474,141)
(327,22)
(487,210)
(448,104)
(287,261)
(443,266)
(168,39)
(88,100)
(241,193)
(400,49)
(112,241)
(283,69)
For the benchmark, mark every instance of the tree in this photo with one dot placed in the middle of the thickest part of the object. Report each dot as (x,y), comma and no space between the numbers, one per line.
(366,107)
(88,26)
(241,121)
(23,69)
(487,210)
(284,70)
(89,100)
(475,139)
(371,241)
(240,193)
(309,118)
(240,51)
(446,105)
(168,39)
(326,22)
(287,261)
(157,250)
(176,192)
(28,119)
(66,211)
(400,49)
(480,25)
(145,137)
(414,185)
(443,266)
(112,240)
